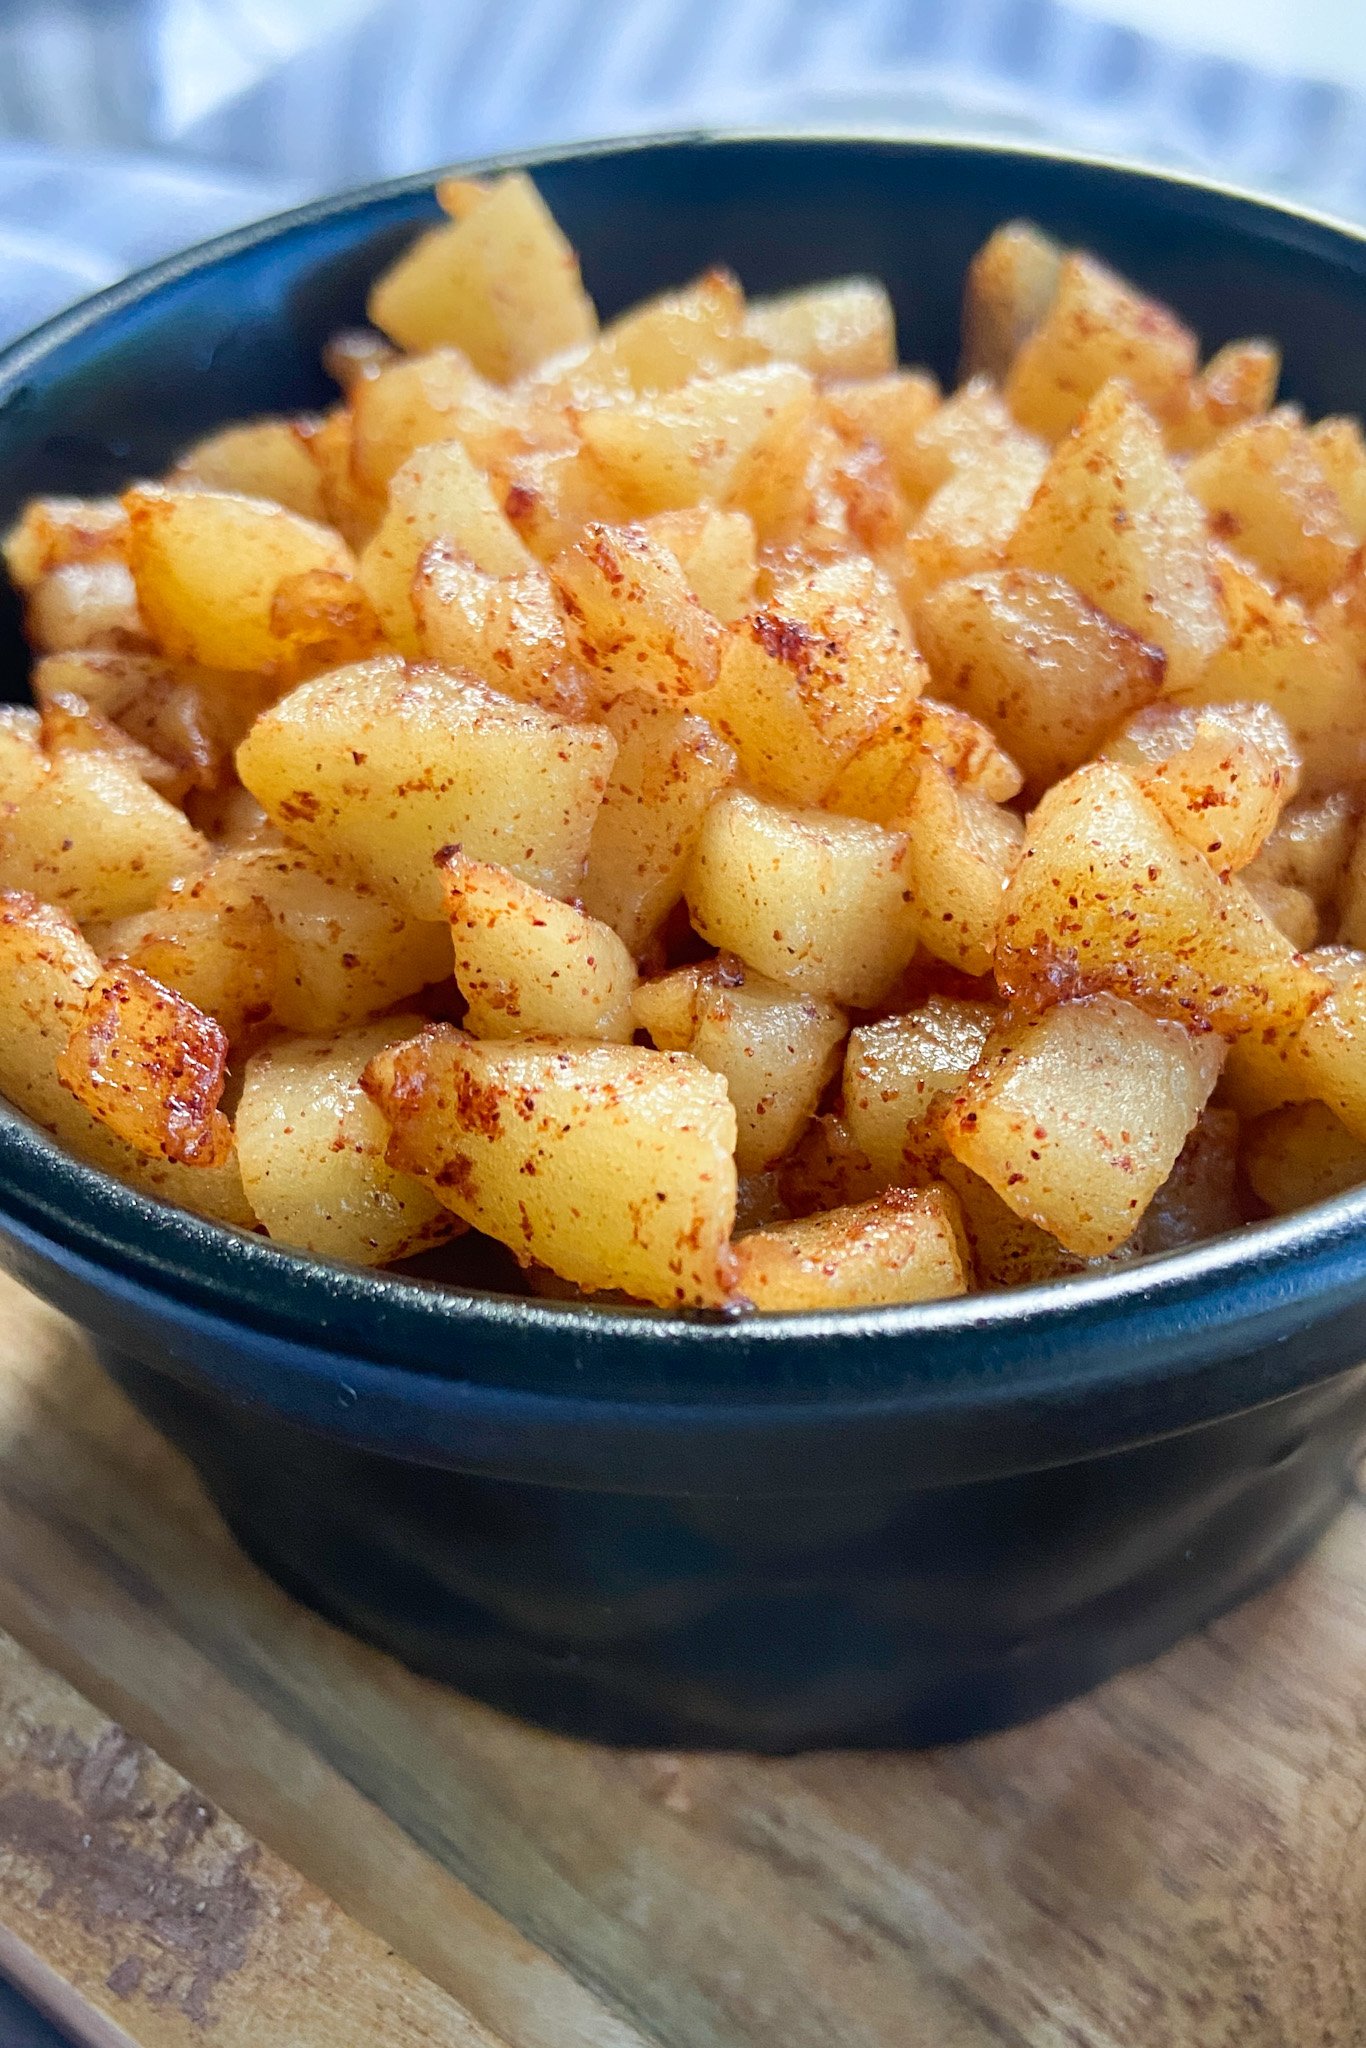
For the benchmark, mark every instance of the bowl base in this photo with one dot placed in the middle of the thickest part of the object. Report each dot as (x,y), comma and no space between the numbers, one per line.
(780,1623)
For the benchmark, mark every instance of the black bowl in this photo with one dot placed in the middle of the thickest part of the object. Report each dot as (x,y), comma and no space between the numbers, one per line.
(894,1526)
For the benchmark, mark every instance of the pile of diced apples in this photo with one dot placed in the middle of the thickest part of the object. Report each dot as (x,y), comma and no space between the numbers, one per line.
(690,801)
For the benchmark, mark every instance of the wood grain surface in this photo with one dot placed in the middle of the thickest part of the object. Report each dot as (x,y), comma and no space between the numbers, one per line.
(1177,1862)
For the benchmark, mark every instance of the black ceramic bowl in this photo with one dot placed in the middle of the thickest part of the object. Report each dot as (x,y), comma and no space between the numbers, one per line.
(888,1526)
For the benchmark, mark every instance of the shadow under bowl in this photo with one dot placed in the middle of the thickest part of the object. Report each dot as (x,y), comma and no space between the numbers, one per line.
(889,1526)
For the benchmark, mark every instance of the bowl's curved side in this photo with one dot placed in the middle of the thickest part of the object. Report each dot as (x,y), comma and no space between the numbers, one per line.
(880,1613)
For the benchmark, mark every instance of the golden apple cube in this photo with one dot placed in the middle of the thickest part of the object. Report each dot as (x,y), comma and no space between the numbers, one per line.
(152,1067)
(612,1165)
(775,1048)
(1220,775)
(810,676)
(1267,494)
(737,441)
(375,768)
(265,458)
(879,779)
(46,972)
(904,1245)
(669,768)
(438,494)
(1049,673)
(899,1070)
(1107,896)
(507,630)
(845,328)
(1306,669)
(1098,327)
(1075,1117)
(96,838)
(311,1146)
(502,284)
(530,966)
(1114,518)
(961,852)
(814,901)
(209,564)
(1300,1154)
(630,617)
(1011,283)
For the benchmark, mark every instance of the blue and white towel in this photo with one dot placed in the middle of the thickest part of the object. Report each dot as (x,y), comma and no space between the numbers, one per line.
(129,128)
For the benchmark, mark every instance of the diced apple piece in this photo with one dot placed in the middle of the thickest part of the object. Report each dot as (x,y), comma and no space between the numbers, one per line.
(208,566)
(1098,327)
(715,551)
(416,401)
(343,950)
(612,1165)
(879,779)
(1114,518)
(737,441)
(899,1070)
(815,901)
(631,618)
(1331,1045)
(376,768)
(1294,914)
(774,1048)
(1047,672)
(46,972)
(502,284)
(1199,1198)
(266,458)
(86,604)
(809,677)
(968,521)
(312,1144)
(530,966)
(1238,383)
(886,413)
(354,508)
(1307,671)
(152,1067)
(94,837)
(697,331)
(961,852)
(438,494)
(212,939)
(1220,775)
(1301,1154)
(1310,850)
(1076,1117)
(549,496)
(904,1245)
(826,1170)
(507,630)
(845,328)
(1267,494)
(1107,896)
(52,532)
(1341,453)
(1011,283)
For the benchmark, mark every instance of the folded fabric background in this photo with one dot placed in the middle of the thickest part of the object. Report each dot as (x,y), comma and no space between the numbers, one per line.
(131,127)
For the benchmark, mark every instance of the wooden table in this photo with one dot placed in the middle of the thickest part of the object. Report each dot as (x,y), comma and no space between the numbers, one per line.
(1177,1862)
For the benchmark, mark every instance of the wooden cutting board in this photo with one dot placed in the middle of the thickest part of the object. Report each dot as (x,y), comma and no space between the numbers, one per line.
(1177,1862)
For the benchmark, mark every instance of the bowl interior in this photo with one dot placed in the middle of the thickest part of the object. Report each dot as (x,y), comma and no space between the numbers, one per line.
(118,386)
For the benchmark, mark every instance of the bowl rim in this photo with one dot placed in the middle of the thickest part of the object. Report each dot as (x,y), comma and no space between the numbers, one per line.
(1312,1254)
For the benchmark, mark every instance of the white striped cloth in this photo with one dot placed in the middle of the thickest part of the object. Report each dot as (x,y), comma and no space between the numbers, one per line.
(137,126)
